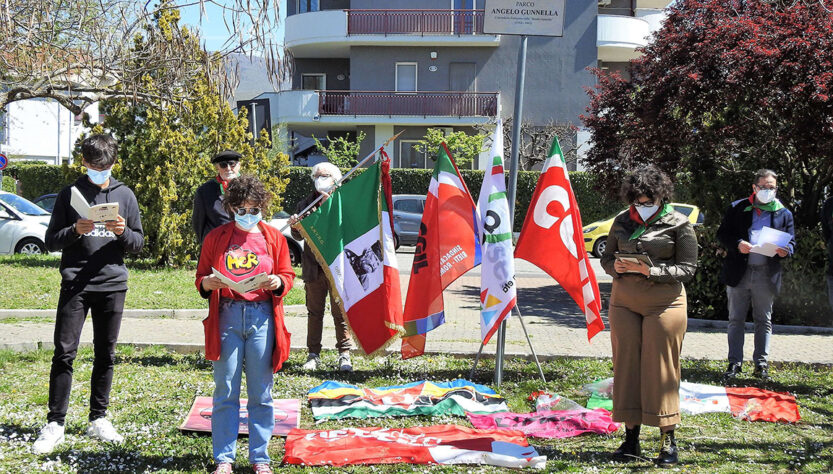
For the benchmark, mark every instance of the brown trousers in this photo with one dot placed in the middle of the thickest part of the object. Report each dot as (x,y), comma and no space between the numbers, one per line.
(647,324)
(317,291)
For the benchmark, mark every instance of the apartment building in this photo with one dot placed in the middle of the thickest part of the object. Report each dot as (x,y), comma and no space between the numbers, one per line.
(384,66)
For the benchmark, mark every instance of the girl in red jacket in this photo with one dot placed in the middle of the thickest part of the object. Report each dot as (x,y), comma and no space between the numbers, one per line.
(247,327)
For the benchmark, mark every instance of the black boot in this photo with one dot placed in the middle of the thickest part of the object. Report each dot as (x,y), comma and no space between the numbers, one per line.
(629,450)
(668,450)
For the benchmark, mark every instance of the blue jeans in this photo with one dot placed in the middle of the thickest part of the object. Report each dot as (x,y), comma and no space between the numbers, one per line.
(247,336)
(756,288)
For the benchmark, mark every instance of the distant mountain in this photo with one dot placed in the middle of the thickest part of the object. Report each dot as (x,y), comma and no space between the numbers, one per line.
(254,78)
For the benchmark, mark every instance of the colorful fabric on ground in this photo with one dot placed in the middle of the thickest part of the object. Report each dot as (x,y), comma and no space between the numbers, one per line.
(340,400)
(287,416)
(446,248)
(549,424)
(497,272)
(441,444)
(746,403)
(551,238)
(351,237)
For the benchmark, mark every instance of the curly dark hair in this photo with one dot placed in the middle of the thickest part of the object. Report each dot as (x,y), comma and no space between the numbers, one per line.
(246,188)
(649,181)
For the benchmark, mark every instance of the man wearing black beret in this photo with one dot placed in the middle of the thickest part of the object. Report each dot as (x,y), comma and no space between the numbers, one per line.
(208,201)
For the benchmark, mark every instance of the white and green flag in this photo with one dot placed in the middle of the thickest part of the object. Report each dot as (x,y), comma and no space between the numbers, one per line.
(498,294)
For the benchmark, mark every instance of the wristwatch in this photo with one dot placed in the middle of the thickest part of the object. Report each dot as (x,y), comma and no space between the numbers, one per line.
(74,231)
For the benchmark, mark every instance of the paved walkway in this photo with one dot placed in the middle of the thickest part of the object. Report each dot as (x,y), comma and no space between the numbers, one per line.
(552,319)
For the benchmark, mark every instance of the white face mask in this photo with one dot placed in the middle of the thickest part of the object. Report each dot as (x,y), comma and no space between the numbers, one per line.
(765,196)
(324,184)
(646,212)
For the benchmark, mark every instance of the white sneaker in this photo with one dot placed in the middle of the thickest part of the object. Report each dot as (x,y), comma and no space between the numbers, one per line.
(50,436)
(102,429)
(344,363)
(312,363)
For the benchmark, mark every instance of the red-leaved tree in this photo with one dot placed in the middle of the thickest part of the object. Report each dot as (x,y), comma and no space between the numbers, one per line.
(724,88)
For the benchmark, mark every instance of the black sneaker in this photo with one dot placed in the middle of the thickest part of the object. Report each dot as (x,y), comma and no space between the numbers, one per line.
(734,369)
(761,372)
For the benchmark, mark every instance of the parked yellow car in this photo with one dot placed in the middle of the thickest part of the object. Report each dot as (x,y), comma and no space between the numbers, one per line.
(595,233)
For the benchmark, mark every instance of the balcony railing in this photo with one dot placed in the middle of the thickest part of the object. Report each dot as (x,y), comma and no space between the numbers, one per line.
(414,22)
(459,104)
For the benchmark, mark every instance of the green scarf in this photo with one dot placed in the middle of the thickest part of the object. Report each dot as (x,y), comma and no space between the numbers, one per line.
(643,226)
(771,206)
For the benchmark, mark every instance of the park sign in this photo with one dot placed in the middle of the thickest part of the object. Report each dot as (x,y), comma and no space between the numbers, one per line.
(524,17)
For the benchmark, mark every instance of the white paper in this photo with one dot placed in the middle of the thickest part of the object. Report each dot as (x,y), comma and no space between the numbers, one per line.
(769,240)
(98,213)
(244,286)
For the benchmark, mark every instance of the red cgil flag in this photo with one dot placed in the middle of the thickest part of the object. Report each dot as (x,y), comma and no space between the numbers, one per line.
(551,238)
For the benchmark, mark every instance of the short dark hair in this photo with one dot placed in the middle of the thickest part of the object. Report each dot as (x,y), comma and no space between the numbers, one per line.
(647,180)
(764,173)
(243,189)
(100,150)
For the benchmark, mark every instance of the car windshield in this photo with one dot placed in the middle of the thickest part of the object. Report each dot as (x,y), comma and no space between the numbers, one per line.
(24,206)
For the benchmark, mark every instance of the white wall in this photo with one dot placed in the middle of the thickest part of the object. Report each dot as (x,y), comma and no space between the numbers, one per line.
(40,129)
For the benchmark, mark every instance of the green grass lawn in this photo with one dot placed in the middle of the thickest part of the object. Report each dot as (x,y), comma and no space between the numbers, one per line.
(153,390)
(33,282)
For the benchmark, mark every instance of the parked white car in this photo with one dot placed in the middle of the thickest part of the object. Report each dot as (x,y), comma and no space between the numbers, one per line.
(296,247)
(22,225)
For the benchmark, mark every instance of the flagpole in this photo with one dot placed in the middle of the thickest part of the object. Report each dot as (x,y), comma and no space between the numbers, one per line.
(343,178)
(528,341)
(511,191)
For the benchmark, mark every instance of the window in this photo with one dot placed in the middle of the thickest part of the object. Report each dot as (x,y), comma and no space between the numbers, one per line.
(684,210)
(314,82)
(406,77)
(409,156)
(305,6)
(414,206)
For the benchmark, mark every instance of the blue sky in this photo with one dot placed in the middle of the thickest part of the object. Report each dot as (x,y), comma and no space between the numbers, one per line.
(213,28)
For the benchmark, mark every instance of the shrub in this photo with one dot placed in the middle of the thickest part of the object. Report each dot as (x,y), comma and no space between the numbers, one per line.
(803,296)
(9,183)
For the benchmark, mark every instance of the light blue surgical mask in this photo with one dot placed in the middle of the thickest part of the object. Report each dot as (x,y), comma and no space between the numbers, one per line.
(248,221)
(98,177)
(645,212)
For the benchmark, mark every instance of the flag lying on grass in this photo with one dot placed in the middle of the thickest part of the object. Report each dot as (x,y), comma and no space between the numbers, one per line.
(498,294)
(352,239)
(746,403)
(340,400)
(441,444)
(552,239)
(446,248)
(549,424)
(286,416)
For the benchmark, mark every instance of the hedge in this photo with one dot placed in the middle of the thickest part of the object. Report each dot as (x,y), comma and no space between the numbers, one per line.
(37,178)
(415,181)
(803,296)
(8,183)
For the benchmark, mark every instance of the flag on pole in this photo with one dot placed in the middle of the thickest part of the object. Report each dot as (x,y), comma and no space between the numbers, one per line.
(551,238)
(441,255)
(498,294)
(352,239)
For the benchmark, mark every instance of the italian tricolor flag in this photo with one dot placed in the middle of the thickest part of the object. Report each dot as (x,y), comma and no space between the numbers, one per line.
(352,239)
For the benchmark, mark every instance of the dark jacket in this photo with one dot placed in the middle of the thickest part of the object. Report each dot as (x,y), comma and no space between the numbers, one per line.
(208,209)
(735,227)
(95,261)
(310,270)
(827,231)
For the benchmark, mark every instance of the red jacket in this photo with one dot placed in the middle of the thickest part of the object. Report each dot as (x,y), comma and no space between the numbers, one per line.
(216,243)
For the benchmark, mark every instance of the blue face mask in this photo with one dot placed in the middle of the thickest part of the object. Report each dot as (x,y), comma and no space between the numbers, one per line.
(248,221)
(98,177)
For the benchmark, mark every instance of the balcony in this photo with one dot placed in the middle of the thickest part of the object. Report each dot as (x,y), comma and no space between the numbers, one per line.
(425,104)
(619,36)
(331,33)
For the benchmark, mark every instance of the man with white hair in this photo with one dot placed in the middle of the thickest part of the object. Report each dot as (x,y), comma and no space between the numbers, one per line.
(325,175)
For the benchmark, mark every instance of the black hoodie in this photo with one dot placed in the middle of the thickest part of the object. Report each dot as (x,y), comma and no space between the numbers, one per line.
(95,261)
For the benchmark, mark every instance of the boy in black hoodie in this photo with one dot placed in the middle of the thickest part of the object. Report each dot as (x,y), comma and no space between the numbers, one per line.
(94,278)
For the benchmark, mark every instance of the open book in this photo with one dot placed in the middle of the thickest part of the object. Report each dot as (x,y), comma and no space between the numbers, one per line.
(98,213)
(243,286)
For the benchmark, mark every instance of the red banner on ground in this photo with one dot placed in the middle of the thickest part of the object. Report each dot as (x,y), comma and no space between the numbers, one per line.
(441,444)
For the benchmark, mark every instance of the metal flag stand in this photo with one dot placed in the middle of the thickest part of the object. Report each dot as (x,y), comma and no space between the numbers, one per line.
(343,178)
(526,334)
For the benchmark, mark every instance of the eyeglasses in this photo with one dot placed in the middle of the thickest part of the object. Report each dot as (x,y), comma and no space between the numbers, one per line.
(227,164)
(242,211)
(643,204)
(774,188)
